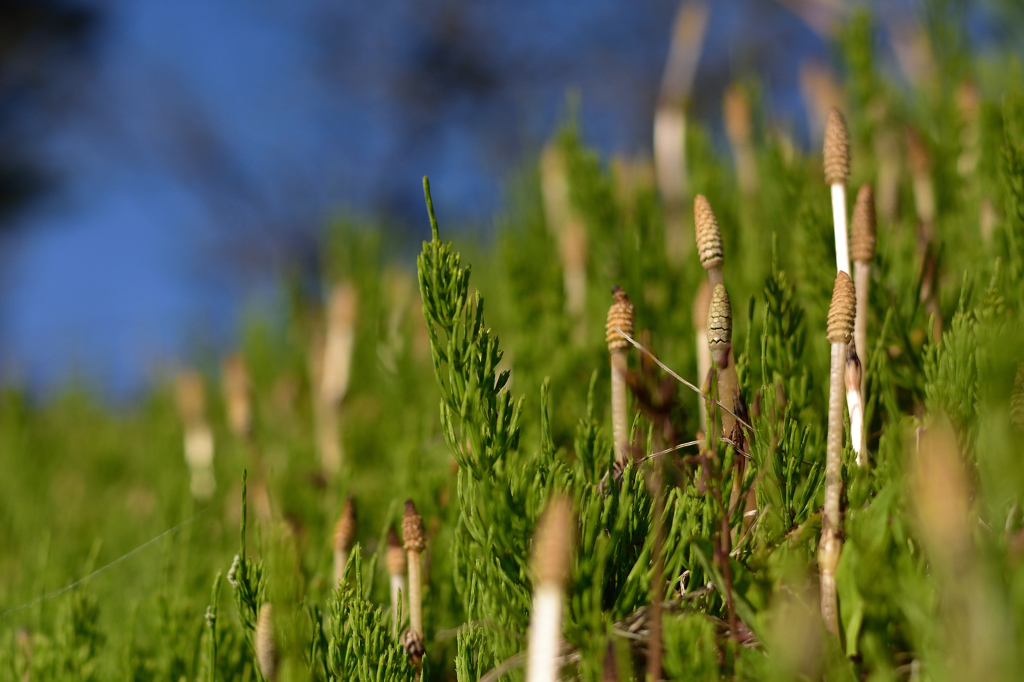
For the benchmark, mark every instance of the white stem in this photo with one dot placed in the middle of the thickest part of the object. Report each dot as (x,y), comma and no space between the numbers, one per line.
(839,220)
(415,593)
(703,367)
(620,426)
(856,408)
(545,635)
(397,590)
(670,172)
(330,445)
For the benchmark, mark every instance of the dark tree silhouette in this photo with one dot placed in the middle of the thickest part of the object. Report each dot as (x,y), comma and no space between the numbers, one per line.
(44,45)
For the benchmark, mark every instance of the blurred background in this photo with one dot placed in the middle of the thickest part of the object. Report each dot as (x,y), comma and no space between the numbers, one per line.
(163,164)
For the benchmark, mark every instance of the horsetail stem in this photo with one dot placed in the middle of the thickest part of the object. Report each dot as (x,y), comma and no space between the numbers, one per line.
(862,250)
(701,304)
(266,652)
(837,173)
(720,344)
(414,538)
(854,377)
(237,388)
(552,553)
(739,129)
(839,330)
(620,315)
(344,537)
(396,564)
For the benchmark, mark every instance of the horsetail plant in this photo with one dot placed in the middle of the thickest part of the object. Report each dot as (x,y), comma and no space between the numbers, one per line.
(248,580)
(709,248)
(566,226)
(414,538)
(739,129)
(199,446)
(552,554)
(620,318)
(237,388)
(837,173)
(211,625)
(862,251)
(395,560)
(266,650)
(854,379)
(841,315)
(344,538)
(701,305)
(670,124)
(719,327)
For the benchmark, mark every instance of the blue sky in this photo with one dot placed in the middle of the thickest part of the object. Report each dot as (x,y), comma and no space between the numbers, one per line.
(216,134)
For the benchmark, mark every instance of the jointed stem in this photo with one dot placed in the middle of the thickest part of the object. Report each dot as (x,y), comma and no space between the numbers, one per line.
(831,527)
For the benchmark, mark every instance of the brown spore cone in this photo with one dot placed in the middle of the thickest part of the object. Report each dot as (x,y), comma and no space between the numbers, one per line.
(345,529)
(412,529)
(552,544)
(837,149)
(709,237)
(842,311)
(863,226)
(621,315)
(395,556)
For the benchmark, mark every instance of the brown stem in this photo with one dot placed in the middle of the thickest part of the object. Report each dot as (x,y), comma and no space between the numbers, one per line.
(620,426)
(831,532)
(862,275)
(722,548)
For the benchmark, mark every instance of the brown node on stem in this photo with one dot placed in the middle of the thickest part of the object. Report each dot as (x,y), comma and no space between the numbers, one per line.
(842,311)
(709,238)
(345,529)
(395,557)
(863,226)
(412,642)
(620,315)
(854,369)
(837,149)
(719,320)
(552,545)
(412,529)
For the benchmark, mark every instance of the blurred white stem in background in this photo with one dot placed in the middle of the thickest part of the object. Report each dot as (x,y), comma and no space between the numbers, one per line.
(545,638)
(670,123)
(397,583)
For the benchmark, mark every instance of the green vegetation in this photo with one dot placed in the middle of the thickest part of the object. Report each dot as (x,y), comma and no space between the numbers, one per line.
(930,583)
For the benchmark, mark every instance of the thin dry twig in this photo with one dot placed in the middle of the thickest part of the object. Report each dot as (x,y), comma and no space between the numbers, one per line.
(671,449)
(677,377)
